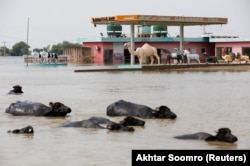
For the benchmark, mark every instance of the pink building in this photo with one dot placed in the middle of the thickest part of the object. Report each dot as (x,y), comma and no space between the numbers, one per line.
(110,50)
(234,44)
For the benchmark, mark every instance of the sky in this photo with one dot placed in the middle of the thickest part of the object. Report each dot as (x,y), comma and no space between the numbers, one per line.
(54,21)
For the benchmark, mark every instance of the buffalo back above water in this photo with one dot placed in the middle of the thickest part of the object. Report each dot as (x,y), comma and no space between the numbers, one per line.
(223,135)
(97,122)
(28,108)
(93,122)
(125,108)
(25,130)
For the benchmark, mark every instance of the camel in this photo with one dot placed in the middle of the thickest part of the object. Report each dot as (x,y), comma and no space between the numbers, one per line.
(145,50)
(240,58)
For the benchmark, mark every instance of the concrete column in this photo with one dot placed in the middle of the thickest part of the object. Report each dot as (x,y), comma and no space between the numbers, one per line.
(132,42)
(181,37)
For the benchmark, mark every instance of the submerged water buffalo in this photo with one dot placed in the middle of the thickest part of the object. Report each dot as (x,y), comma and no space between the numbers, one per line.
(93,122)
(26,130)
(98,122)
(21,108)
(17,89)
(223,134)
(131,121)
(125,108)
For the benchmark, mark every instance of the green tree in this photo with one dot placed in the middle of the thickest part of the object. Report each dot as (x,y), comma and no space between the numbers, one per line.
(20,48)
(5,51)
(58,48)
(37,50)
(68,44)
(46,49)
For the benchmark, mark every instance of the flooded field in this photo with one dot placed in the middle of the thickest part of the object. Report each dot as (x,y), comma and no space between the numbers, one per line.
(203,101)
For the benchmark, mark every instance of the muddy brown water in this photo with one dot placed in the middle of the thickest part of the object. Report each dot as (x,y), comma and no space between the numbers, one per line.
(203,101)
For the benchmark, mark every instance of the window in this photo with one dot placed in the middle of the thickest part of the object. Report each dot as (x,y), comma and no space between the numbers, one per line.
(246,51)
(203,50)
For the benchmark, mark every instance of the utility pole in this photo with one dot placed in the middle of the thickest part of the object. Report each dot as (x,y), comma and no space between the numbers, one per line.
(27,39)
(28,33)
(4,47)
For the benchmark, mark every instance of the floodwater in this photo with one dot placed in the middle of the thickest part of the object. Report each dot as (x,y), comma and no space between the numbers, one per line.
(202,100)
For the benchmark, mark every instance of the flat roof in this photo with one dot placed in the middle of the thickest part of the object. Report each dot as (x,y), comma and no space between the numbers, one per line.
(222,39)
(137,39)
(158,20)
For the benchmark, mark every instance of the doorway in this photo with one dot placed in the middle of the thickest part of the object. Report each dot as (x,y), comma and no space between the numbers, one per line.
(108,57)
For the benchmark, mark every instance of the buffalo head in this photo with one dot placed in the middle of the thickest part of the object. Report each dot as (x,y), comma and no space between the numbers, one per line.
(58,109)
(17,89)
(119,127)
(224,134)
(131,121)
(164,112)
(25,130)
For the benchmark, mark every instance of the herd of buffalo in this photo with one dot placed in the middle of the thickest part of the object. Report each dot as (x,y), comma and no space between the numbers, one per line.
(119,108)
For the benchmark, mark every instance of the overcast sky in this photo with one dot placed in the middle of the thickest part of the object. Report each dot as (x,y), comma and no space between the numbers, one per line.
(52,21)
